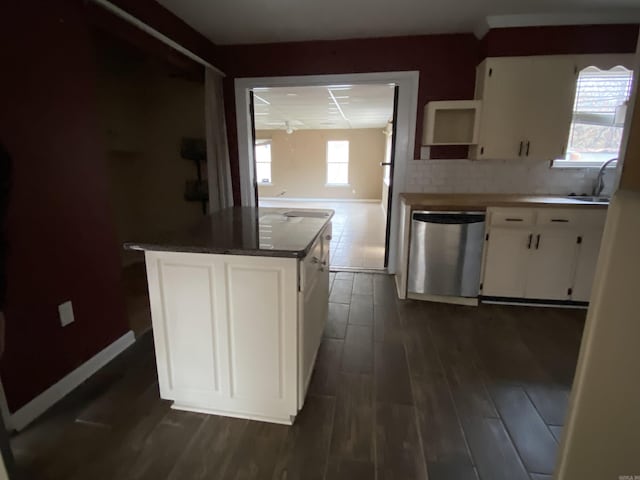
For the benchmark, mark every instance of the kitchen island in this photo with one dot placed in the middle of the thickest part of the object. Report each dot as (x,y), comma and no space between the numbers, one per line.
(238,307)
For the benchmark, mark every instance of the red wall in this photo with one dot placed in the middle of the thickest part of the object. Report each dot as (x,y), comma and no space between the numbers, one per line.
(60,229)
(156,16)
(161,19)
(574,39)
(446,62)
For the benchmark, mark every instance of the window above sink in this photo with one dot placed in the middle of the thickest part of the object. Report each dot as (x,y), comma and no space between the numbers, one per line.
(598,117)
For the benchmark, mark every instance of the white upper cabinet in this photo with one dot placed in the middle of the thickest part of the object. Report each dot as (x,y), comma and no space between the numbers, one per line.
(501,83)
(549,113)
(527,105)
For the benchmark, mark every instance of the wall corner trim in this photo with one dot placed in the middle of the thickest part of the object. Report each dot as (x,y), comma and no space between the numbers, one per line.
(40,404)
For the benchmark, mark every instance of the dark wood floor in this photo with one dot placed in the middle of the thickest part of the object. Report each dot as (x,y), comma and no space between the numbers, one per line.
(400,389)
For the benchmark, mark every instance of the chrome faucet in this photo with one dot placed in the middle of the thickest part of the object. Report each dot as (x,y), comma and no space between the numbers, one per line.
(598,185)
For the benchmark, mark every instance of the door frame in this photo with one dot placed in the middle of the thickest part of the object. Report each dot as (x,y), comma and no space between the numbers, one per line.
(407,82)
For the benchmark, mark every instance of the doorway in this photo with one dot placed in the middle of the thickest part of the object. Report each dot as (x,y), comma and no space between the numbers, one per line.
(329,147)
(404,85)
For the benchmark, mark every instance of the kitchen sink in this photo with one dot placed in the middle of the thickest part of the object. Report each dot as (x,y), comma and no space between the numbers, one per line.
(591,199)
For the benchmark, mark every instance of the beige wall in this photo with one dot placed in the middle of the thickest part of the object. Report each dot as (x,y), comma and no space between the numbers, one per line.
(299,165)
(146,113)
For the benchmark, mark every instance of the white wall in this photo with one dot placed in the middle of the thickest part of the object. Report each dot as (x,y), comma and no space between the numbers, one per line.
(499,176)
(602,435)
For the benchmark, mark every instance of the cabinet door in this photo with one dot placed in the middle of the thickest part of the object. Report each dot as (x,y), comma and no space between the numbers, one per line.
(505,271)
(313,301)
(503,87)
(551,265)
(549,107)
(588,251)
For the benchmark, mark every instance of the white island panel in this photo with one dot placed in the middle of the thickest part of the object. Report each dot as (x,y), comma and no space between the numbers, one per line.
(225,332)
(261,306)
(183,300)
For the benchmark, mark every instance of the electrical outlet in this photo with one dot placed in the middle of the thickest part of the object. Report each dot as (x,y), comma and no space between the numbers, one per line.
(65,312)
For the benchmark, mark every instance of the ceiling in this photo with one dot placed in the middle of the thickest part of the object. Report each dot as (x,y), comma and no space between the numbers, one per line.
(332,107)
(264,21)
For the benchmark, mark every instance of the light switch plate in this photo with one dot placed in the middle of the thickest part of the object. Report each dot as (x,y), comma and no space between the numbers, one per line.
(65,312)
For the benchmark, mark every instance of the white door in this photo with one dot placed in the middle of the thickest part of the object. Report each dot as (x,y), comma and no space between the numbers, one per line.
(506,263)
(551,265)
(503,90)
(588,251)
(550,106)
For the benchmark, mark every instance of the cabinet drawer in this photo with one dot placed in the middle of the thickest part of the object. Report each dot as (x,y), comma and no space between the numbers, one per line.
(514,217)
(564,217)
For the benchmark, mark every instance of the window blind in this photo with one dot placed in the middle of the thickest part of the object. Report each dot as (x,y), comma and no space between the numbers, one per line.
(599,93)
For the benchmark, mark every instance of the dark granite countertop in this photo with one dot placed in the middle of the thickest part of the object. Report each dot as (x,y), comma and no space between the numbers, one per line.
(267,232)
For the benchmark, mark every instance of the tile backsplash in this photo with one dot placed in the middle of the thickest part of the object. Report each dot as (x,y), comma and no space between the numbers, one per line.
(500,176)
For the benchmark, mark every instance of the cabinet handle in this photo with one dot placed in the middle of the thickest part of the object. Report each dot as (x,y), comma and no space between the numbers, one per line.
(530,239)
(513,219)
(520,149)
(317,261)
(528,145)
(560,220)
(538,242)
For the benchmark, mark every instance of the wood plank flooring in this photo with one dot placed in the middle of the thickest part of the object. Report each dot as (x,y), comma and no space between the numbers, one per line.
(401,390)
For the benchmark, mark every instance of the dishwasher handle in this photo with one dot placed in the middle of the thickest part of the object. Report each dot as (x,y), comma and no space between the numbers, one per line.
(449,218)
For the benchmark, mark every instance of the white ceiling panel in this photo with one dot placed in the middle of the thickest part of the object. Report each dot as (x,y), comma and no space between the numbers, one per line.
(331,107)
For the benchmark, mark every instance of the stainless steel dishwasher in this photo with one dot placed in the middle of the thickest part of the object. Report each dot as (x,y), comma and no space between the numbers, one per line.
(445,254)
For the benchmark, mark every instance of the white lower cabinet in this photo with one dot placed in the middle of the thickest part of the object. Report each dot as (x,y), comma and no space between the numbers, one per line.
(586,264)
(541,254)
(507,258)
(237,335)
(313,300)
(551,264)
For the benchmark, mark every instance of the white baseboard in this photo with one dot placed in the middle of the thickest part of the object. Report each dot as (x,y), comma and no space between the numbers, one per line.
(292,199)
(36,407)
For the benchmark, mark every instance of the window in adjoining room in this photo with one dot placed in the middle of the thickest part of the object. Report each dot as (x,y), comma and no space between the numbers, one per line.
(263,161)
(337,162)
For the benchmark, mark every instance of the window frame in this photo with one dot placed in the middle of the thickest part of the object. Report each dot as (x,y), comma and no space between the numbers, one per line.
(260,142)
(347,162)
(591,163)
